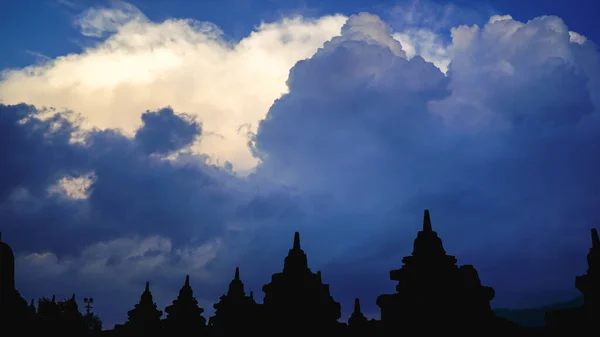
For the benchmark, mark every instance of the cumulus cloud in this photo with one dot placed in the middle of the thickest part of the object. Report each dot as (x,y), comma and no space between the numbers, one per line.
(423,26)
(500,149)
(392,94)
(528,70)
(425,43)
(182,63)
(189,66)
(370,29)
(496,131)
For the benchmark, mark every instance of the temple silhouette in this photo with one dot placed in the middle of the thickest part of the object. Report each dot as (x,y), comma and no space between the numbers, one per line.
(433,294)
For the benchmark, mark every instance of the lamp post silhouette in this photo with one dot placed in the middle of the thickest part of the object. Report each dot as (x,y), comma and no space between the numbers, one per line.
(88,304)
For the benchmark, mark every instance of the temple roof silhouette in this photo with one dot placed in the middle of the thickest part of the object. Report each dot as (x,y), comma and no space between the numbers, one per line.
(7,271)
(7,256)
(5,250)
(432,292)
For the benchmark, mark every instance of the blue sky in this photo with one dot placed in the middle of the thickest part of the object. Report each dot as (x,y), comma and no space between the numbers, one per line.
(163,138)
(45,26)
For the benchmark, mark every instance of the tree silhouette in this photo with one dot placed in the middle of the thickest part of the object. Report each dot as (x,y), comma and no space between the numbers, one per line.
(93,323)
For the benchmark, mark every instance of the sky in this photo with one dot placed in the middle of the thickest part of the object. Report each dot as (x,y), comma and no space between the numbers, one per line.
(147,140)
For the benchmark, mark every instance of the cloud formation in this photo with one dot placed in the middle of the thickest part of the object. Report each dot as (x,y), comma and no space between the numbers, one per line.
(163,132)
(502,149)
(113,271)
(496,132)
(182,63)
(134,188)
(129,208)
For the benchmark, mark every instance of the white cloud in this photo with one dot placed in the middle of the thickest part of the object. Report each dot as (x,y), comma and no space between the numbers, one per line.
(46,264)
(143,65)
(123,261)
(510,58)
(96,22)
(368,27)
(73,187)
(497,18)
(577,38)
(182,63)
(425,43)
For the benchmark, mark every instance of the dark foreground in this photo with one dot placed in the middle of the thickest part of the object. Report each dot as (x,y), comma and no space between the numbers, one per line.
(433,295)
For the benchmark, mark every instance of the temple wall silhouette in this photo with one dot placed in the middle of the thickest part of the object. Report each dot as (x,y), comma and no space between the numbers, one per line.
(433,294)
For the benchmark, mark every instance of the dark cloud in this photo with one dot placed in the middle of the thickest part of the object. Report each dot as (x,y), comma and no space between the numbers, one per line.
(163,132)
(33,152)
(132,191)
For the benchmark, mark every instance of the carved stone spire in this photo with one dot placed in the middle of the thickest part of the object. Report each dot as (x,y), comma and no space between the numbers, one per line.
(299,291)
(234,313)
(144,318)
(296,261)
(430,278)
(428,244)
(296,241)
(595,239)
(357,305)
(427,222)
(184,314)
(236,286)
(593,256)
(357,320)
